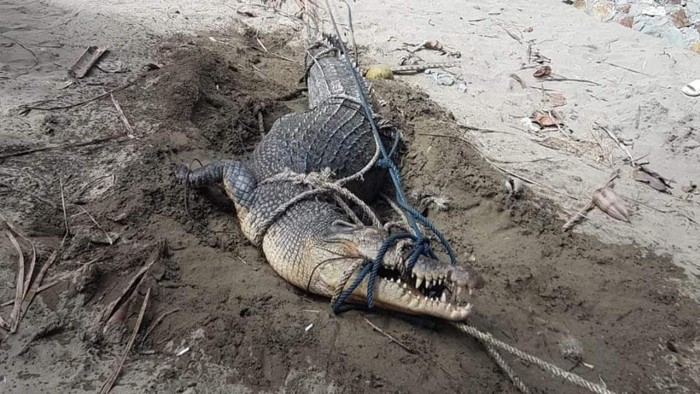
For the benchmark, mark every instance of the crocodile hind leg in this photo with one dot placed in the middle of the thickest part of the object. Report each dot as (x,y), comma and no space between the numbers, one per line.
(237,179)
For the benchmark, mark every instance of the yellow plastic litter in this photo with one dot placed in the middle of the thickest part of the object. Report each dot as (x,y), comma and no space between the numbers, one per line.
(379,71)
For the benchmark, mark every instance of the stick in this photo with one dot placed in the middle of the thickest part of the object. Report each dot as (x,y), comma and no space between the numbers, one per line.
(590,205)
(122,116)
(571,80)
(107,386)
(396,341)
(26,107)
(262,45)
(619,144)
(625,68)
(19,288)
(95,141)
(156,322)
(264,50)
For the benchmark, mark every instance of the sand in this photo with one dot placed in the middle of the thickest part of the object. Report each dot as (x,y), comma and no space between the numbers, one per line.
(626,291)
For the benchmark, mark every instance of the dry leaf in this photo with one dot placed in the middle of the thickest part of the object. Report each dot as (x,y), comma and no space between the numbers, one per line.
(543,72)
(528,29)
(545,120)
(607,201)
(645,175)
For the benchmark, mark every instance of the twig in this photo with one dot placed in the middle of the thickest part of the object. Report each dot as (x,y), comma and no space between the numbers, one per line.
(95,141)
(619,144)
(122,116)
(513,36)
(262,45)
(65,215)
(625,68)
(590,205)
(115,374)
(111,242)
(156,322)
(19,288)
(396,341)
(264,50)
(25,108)
(571,80)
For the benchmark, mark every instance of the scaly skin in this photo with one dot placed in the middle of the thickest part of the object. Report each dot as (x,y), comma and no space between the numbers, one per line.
(311,245)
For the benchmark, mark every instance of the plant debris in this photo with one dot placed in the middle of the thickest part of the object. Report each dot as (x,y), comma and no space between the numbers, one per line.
(609,202)
(433,46)
(83,65)
(107,386)
(652,178)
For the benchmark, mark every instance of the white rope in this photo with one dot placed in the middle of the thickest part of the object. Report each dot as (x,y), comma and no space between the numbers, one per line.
(321,184)
(489,340)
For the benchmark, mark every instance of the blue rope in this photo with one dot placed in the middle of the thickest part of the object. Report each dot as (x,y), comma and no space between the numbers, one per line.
(421,242)
(371,268)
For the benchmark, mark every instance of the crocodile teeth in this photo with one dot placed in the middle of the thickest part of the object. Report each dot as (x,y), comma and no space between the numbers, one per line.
(404,286)
(398,281)
(443,297)
(419,281)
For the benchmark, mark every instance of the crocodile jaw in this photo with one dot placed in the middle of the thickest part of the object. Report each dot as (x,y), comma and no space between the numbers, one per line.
(401,297)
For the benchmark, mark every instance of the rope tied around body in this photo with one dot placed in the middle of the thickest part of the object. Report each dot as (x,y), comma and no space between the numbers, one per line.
(421,242)
(320,184)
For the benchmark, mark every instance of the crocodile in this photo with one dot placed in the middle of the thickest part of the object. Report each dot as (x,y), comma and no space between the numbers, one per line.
(313,244)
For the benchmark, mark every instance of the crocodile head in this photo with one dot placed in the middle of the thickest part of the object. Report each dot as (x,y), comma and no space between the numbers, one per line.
(432,287)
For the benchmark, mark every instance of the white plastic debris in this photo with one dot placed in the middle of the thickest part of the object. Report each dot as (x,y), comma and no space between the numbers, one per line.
(441,77)
(182,351)
(310,326)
